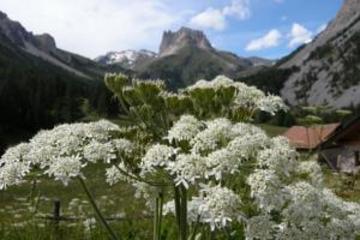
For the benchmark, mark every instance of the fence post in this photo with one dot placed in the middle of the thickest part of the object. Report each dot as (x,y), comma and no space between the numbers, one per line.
(56,218)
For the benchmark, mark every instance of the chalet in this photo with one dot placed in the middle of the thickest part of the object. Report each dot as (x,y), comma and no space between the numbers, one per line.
(341,149)
(337,144)
(309,138)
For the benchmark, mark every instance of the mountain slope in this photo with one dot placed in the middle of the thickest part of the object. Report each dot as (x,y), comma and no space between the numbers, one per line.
(191,64)
(186,56)
(128,59)
(41,85)
(328,67)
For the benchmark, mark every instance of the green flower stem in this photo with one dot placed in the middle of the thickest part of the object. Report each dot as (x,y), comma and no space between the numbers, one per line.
(183,212)
(194,230)
(180,199)
(161,203)
(177,206)
(158,216)
(156,220)
(97,211)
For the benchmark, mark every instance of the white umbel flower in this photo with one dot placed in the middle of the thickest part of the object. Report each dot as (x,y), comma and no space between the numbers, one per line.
(260,227)
(157,156)
(187,169)
(62,151)
(218,206)
(65,168)
(185,129)
(113,175)
(213,137)
(96,151)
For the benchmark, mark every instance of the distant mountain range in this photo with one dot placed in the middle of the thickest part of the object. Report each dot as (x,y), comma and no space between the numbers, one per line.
(128,59)
(41,85)
(184,57)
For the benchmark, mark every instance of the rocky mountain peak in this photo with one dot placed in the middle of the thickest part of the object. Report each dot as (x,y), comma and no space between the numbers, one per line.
(2,15)
(46,42)
(13,30)
(18,35)
(174,41)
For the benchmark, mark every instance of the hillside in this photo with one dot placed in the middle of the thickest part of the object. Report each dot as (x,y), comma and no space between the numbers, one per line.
(328,67)
(41,85)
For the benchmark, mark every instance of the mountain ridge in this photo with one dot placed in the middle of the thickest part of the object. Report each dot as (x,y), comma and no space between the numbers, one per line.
(328,67)
(182,57)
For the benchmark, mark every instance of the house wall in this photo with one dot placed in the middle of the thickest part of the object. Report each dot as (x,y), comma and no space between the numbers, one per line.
(342,158)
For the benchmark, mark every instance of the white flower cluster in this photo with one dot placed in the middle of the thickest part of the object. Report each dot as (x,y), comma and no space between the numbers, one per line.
(217,83)
(187,169)
(114,175)
(217,206)
(63,151)
(185,129)
(157,156)
(14,166)
(304,210)
(280,157)
(246,97)
(212,137)
(159,84)
(217,148)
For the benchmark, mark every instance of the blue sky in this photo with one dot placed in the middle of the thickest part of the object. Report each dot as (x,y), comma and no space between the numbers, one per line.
(266,28)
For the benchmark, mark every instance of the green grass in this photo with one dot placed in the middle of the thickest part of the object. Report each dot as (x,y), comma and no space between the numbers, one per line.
(345,186)
(19,220)
(272,130)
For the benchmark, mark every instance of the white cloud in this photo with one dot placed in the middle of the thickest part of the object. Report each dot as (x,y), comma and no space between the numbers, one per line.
(299,35)
(271,39)
(216,19)
(239,9)
(210,18)
(92,27)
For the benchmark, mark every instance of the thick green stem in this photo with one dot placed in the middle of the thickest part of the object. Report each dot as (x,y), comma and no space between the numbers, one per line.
(183,212)
(177,206)
(97,211)
(161,203)
(156,219)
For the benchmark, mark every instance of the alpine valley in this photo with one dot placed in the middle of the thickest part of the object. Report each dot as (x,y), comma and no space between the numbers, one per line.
(41,85)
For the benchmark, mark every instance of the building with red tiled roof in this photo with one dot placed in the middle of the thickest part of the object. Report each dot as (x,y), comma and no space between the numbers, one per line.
(308,138)
(337,144)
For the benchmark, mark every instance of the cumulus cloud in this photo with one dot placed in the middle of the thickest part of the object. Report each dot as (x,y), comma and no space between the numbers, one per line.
(210,18)
(238,8)
(92,27)
(269,40)
(299,35)
(216,19)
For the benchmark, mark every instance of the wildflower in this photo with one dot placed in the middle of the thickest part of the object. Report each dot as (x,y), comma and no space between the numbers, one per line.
(65,168)
(210,139)
(218,206)
(157,156)
(187,169)
(184,129)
